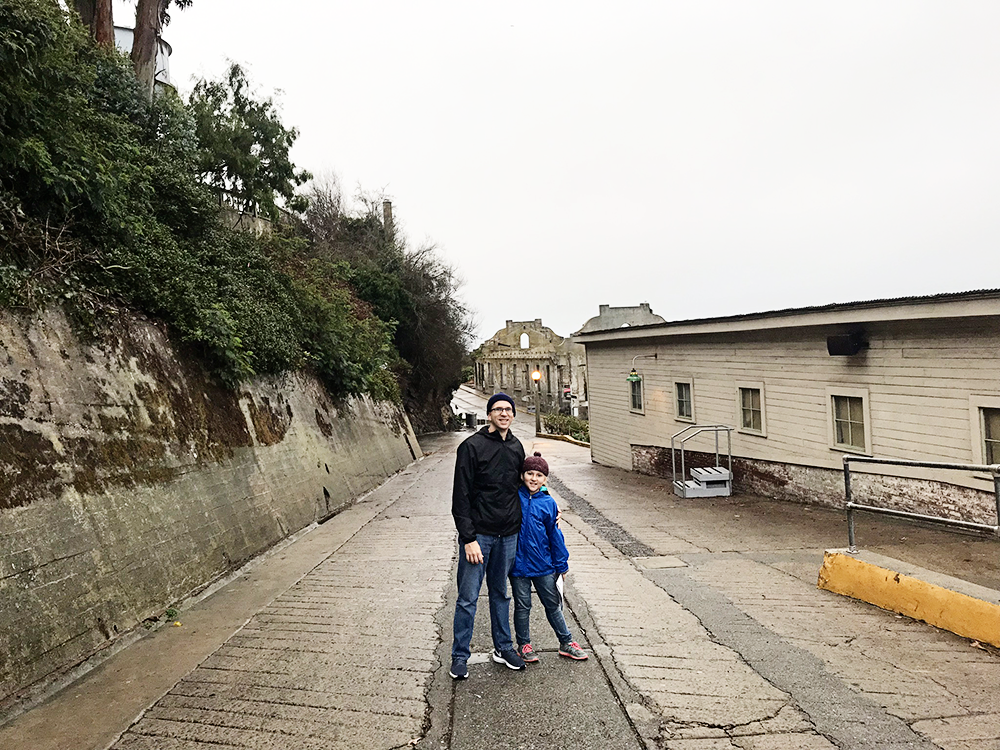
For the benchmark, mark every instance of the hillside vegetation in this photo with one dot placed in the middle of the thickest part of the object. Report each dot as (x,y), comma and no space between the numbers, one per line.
(110,202)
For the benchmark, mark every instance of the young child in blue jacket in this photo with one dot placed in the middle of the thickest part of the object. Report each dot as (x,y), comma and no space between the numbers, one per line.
(541,558)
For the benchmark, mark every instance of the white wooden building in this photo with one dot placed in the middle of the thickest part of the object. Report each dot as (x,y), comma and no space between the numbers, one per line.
(915,378)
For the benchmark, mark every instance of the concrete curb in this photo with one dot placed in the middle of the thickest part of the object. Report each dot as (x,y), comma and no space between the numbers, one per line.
(564,438)
(960,607)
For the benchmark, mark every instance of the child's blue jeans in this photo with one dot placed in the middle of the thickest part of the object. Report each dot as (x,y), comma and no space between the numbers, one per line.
(548,595)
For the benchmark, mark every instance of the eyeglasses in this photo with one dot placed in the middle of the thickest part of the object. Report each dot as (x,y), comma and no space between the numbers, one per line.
(502,410)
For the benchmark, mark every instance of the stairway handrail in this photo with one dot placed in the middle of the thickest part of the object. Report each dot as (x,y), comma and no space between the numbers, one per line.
(700,428)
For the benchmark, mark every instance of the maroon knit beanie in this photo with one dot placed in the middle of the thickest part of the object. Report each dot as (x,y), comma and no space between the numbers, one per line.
(535,463)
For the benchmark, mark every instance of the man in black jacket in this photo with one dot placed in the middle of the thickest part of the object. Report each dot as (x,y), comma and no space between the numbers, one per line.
(487,514)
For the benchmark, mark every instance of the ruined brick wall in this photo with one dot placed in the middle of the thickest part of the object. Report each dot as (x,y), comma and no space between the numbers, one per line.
(129,481)
(813,485)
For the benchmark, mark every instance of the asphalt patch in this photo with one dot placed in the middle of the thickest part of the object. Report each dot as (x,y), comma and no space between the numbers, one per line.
(623,541)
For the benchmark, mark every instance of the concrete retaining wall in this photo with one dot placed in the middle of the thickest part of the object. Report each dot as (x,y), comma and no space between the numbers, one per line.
(129,481)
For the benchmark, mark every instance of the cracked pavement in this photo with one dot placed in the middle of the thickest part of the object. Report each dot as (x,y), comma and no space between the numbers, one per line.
(737,648)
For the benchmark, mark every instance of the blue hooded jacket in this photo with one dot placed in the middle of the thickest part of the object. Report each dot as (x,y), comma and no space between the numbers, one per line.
(541,549)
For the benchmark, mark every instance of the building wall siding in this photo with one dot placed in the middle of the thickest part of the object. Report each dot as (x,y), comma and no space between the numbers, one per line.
(919,377)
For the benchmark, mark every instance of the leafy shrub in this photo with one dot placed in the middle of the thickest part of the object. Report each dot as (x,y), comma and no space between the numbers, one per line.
(244,145)
(564,424)
(413,291)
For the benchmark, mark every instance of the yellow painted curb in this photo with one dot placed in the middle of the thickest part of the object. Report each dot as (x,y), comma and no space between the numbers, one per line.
(965,615)
(564,438)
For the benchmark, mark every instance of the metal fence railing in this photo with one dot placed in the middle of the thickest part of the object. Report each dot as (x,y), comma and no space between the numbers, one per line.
(851,506)
(699,429)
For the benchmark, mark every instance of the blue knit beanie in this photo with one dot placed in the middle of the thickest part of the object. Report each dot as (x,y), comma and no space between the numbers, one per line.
(500,397)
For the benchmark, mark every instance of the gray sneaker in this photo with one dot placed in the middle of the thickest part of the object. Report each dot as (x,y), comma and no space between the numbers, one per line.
(509,657)
(572,650)
(528,654)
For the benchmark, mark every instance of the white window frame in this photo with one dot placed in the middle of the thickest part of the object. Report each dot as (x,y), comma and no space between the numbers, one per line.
(977,426)
(690,384)
(754,385)
(642,396)
(848,392)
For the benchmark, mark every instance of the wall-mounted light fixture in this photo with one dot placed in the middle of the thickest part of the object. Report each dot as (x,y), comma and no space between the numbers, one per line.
(633,376)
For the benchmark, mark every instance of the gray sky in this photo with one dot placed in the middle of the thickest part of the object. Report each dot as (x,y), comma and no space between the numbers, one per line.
(706,157)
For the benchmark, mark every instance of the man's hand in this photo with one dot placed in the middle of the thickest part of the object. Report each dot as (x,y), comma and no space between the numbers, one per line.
(473,554)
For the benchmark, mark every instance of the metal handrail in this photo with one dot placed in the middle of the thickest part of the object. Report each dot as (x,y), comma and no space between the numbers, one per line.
(716,428)
(851,506)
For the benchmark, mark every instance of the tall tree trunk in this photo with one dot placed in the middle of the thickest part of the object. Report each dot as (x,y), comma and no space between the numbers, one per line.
(87,11)
(148,16)
(96,16)
(104,24)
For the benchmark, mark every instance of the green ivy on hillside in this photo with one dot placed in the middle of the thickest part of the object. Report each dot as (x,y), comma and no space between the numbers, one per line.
(104,206)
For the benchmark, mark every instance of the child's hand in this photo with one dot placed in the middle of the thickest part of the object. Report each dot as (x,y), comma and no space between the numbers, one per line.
(473,553)
(558,515)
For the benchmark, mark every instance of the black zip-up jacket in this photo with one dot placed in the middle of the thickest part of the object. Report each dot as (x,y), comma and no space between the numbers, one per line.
(487,477)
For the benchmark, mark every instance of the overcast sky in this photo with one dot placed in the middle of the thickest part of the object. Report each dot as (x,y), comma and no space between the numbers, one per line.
(706,157)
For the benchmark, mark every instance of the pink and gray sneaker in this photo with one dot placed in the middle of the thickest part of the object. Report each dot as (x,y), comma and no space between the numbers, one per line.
(528,654)
(572,650)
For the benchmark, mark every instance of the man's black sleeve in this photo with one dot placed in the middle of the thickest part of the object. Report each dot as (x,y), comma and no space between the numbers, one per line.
(461,494)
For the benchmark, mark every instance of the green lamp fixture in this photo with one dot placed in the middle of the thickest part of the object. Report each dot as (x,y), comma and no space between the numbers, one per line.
(634,376)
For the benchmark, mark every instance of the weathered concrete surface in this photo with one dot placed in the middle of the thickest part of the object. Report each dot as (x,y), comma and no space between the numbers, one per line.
(95,711)
(128,481)
(859,677)
(726,644)
(341,638)
(943,601)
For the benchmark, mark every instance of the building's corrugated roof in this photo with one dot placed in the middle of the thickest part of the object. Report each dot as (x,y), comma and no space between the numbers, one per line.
(979,294)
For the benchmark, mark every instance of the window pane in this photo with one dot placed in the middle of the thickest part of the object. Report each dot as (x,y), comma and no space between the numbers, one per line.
(991,423)
(991,432)
(849,421)
(840,408)
(841,436)
(636,395)
(683,399)
(751,417)
(992,452)
(857,411)
(858,436)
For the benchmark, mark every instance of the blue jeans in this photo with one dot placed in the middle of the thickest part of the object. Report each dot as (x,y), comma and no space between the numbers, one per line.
(548,595)
(498,561)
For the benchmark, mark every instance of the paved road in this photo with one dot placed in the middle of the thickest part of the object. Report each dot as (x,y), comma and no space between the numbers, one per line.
(707,629)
